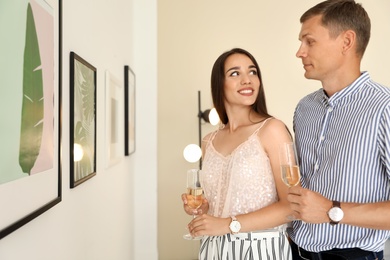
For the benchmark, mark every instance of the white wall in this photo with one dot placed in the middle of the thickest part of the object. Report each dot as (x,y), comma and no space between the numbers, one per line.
(191,36)
(114,214)
(145,179)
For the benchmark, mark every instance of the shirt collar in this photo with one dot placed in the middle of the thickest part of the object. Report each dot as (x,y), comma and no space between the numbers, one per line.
(354,87)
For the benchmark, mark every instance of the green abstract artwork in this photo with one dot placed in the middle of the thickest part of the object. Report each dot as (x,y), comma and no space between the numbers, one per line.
(27,65)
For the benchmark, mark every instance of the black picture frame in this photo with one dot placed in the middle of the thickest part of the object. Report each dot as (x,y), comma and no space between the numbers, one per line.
(17,210)
(82,121)
(130,88)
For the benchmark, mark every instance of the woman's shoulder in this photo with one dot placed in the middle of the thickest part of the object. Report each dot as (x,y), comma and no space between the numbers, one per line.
(274,122)
(208,137)
(274,131)
(275,126)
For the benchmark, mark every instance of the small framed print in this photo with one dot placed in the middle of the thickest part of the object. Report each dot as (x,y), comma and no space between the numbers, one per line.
(82,120)
(114,122)
(129,111)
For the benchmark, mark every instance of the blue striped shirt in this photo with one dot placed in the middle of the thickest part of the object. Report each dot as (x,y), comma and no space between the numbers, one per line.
(343,144)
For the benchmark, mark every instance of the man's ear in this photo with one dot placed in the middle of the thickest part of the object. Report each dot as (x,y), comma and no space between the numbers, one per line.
(349,39)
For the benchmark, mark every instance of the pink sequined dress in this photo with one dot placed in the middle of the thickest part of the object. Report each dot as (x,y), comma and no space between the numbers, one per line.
(239,183)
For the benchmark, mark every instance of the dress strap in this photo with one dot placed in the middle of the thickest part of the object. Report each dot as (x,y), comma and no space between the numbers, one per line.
(210,137)
(261,125)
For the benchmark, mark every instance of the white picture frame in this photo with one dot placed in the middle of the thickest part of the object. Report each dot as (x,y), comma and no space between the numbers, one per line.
(113,120)
(129,110)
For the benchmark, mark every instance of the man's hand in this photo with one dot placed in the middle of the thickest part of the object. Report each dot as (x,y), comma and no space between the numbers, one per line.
(308,205)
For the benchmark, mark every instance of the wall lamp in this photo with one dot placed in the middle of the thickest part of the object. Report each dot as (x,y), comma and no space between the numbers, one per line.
(209,116)
(193,152)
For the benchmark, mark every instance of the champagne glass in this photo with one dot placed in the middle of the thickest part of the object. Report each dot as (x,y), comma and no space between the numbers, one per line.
(194,195)
(289,164)
(290,168)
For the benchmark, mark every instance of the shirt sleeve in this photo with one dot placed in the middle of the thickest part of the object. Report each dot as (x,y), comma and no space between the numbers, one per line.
(384,132)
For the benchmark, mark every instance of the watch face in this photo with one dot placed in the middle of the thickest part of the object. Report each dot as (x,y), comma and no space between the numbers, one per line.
(336,214)
(235,226)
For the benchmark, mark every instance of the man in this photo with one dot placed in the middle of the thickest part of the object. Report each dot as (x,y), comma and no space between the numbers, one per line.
(342,133)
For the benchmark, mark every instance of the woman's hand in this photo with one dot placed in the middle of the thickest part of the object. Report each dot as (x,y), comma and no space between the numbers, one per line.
(206,225)
(204,208)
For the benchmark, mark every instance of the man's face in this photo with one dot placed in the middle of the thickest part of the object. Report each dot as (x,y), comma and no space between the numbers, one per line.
(320,53)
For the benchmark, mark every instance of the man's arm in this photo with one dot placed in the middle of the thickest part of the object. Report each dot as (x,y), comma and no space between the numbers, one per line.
(312,207)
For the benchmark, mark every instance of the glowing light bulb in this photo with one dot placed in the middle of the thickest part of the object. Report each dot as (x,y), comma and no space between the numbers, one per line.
(213,117)
(192,153)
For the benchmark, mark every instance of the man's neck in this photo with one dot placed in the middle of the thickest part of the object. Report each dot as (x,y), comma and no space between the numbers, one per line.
(339,81)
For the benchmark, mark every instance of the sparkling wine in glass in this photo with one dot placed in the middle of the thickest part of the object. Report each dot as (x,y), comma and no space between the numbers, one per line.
(194,195)
(289,167)
(289,164)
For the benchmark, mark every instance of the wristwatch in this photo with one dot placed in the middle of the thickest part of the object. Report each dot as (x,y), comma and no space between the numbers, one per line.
(234,226)
(335,214)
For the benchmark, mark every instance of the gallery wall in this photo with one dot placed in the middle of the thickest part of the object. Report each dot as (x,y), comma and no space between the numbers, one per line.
(113,214)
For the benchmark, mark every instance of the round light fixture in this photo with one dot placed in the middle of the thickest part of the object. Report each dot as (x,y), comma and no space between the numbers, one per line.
(192,153)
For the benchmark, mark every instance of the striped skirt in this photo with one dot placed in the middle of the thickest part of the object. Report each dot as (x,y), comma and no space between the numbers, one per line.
(246,246)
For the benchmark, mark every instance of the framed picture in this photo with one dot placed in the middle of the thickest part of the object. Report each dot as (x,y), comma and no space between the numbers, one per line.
(82,120)
(30,164)
(129,111)
(114,122)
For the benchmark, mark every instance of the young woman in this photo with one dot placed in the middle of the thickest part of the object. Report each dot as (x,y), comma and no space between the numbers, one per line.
(245,205)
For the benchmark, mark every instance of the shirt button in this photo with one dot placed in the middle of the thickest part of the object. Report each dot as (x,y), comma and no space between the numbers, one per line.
(316,167)
(322,138)
(330,109)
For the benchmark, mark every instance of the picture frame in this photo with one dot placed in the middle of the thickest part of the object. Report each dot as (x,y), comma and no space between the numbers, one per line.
(30,157)
(82,121)
(114,122)
(130,81)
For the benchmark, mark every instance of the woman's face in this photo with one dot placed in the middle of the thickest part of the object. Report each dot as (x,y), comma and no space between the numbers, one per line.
(241,80)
